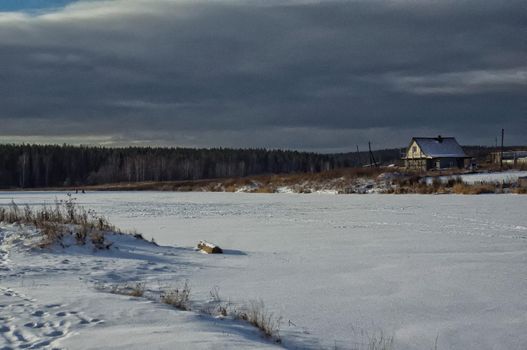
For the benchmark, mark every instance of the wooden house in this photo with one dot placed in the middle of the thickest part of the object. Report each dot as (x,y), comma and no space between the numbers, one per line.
(425,153)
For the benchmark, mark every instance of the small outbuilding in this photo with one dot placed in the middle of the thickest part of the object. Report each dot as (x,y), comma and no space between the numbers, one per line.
(425,153)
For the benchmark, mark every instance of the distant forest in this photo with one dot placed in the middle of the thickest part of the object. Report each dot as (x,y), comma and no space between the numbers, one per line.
(39,166)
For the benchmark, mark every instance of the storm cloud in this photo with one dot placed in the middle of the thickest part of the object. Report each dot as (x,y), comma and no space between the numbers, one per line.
(306,75)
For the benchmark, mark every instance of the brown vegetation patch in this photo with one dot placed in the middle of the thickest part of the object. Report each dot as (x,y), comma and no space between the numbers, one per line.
(134,290)
(64,218)
(520,190)
(461,188)
(256,314)
(178,298)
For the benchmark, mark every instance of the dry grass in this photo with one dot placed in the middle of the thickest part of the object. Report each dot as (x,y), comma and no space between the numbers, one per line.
(380,342)
(266,183)
(134,290)
(179,298)
(253,313)
(230,188)
(62,219)
(264,189)
(417,184)
(365,340)
(216,306)
(520,190)
(256,314)
(462,188)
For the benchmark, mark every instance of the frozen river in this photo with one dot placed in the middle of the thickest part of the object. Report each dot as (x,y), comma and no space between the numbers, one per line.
(414,266)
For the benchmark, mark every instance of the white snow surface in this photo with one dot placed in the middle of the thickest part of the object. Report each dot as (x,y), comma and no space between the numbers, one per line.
(338,269)
(510,176)
(54,298)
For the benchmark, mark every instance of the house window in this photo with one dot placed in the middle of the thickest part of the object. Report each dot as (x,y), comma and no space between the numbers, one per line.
(414,149)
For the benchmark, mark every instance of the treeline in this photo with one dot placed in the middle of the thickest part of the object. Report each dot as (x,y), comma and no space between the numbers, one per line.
(34,166)
(39,166)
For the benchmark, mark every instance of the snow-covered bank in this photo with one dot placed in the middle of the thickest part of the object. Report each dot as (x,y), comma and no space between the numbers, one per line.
(52,298)
(345,181)
(414,266)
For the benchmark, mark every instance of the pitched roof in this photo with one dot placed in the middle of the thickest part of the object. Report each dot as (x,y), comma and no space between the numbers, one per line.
(437,147)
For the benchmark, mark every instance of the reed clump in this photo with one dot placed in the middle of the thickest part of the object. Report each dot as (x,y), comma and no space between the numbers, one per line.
(64,218)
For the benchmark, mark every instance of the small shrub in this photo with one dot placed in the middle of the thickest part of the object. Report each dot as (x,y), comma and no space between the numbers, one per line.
(216,306)
(81,235)
(138,290)
(52,233)
(215,294)
(179,298)
(256,314)
(135,290)
(98,240)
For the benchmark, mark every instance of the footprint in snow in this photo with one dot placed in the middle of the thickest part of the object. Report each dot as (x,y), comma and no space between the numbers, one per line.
(55,333)
(38,313)
(34,325)
(83,321)
(19,336)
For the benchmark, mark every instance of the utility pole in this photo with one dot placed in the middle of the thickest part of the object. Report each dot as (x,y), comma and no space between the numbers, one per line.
(372,158)
(359,163)
(501,151)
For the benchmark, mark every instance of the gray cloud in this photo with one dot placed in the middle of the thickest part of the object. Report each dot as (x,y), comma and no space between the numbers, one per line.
(295,74)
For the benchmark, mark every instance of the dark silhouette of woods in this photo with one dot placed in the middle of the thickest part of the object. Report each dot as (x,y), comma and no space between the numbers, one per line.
(32,166)
(40,166)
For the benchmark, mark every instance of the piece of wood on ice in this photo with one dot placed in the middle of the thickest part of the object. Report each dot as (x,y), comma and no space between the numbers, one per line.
(209,248)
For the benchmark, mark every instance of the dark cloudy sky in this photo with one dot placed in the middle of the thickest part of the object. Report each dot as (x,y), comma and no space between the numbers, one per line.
(310,75)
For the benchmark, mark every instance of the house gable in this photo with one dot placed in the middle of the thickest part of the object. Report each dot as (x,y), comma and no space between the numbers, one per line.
(414,151)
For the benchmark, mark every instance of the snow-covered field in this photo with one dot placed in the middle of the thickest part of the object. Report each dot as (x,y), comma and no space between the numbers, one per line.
(338,269)
(500,177)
